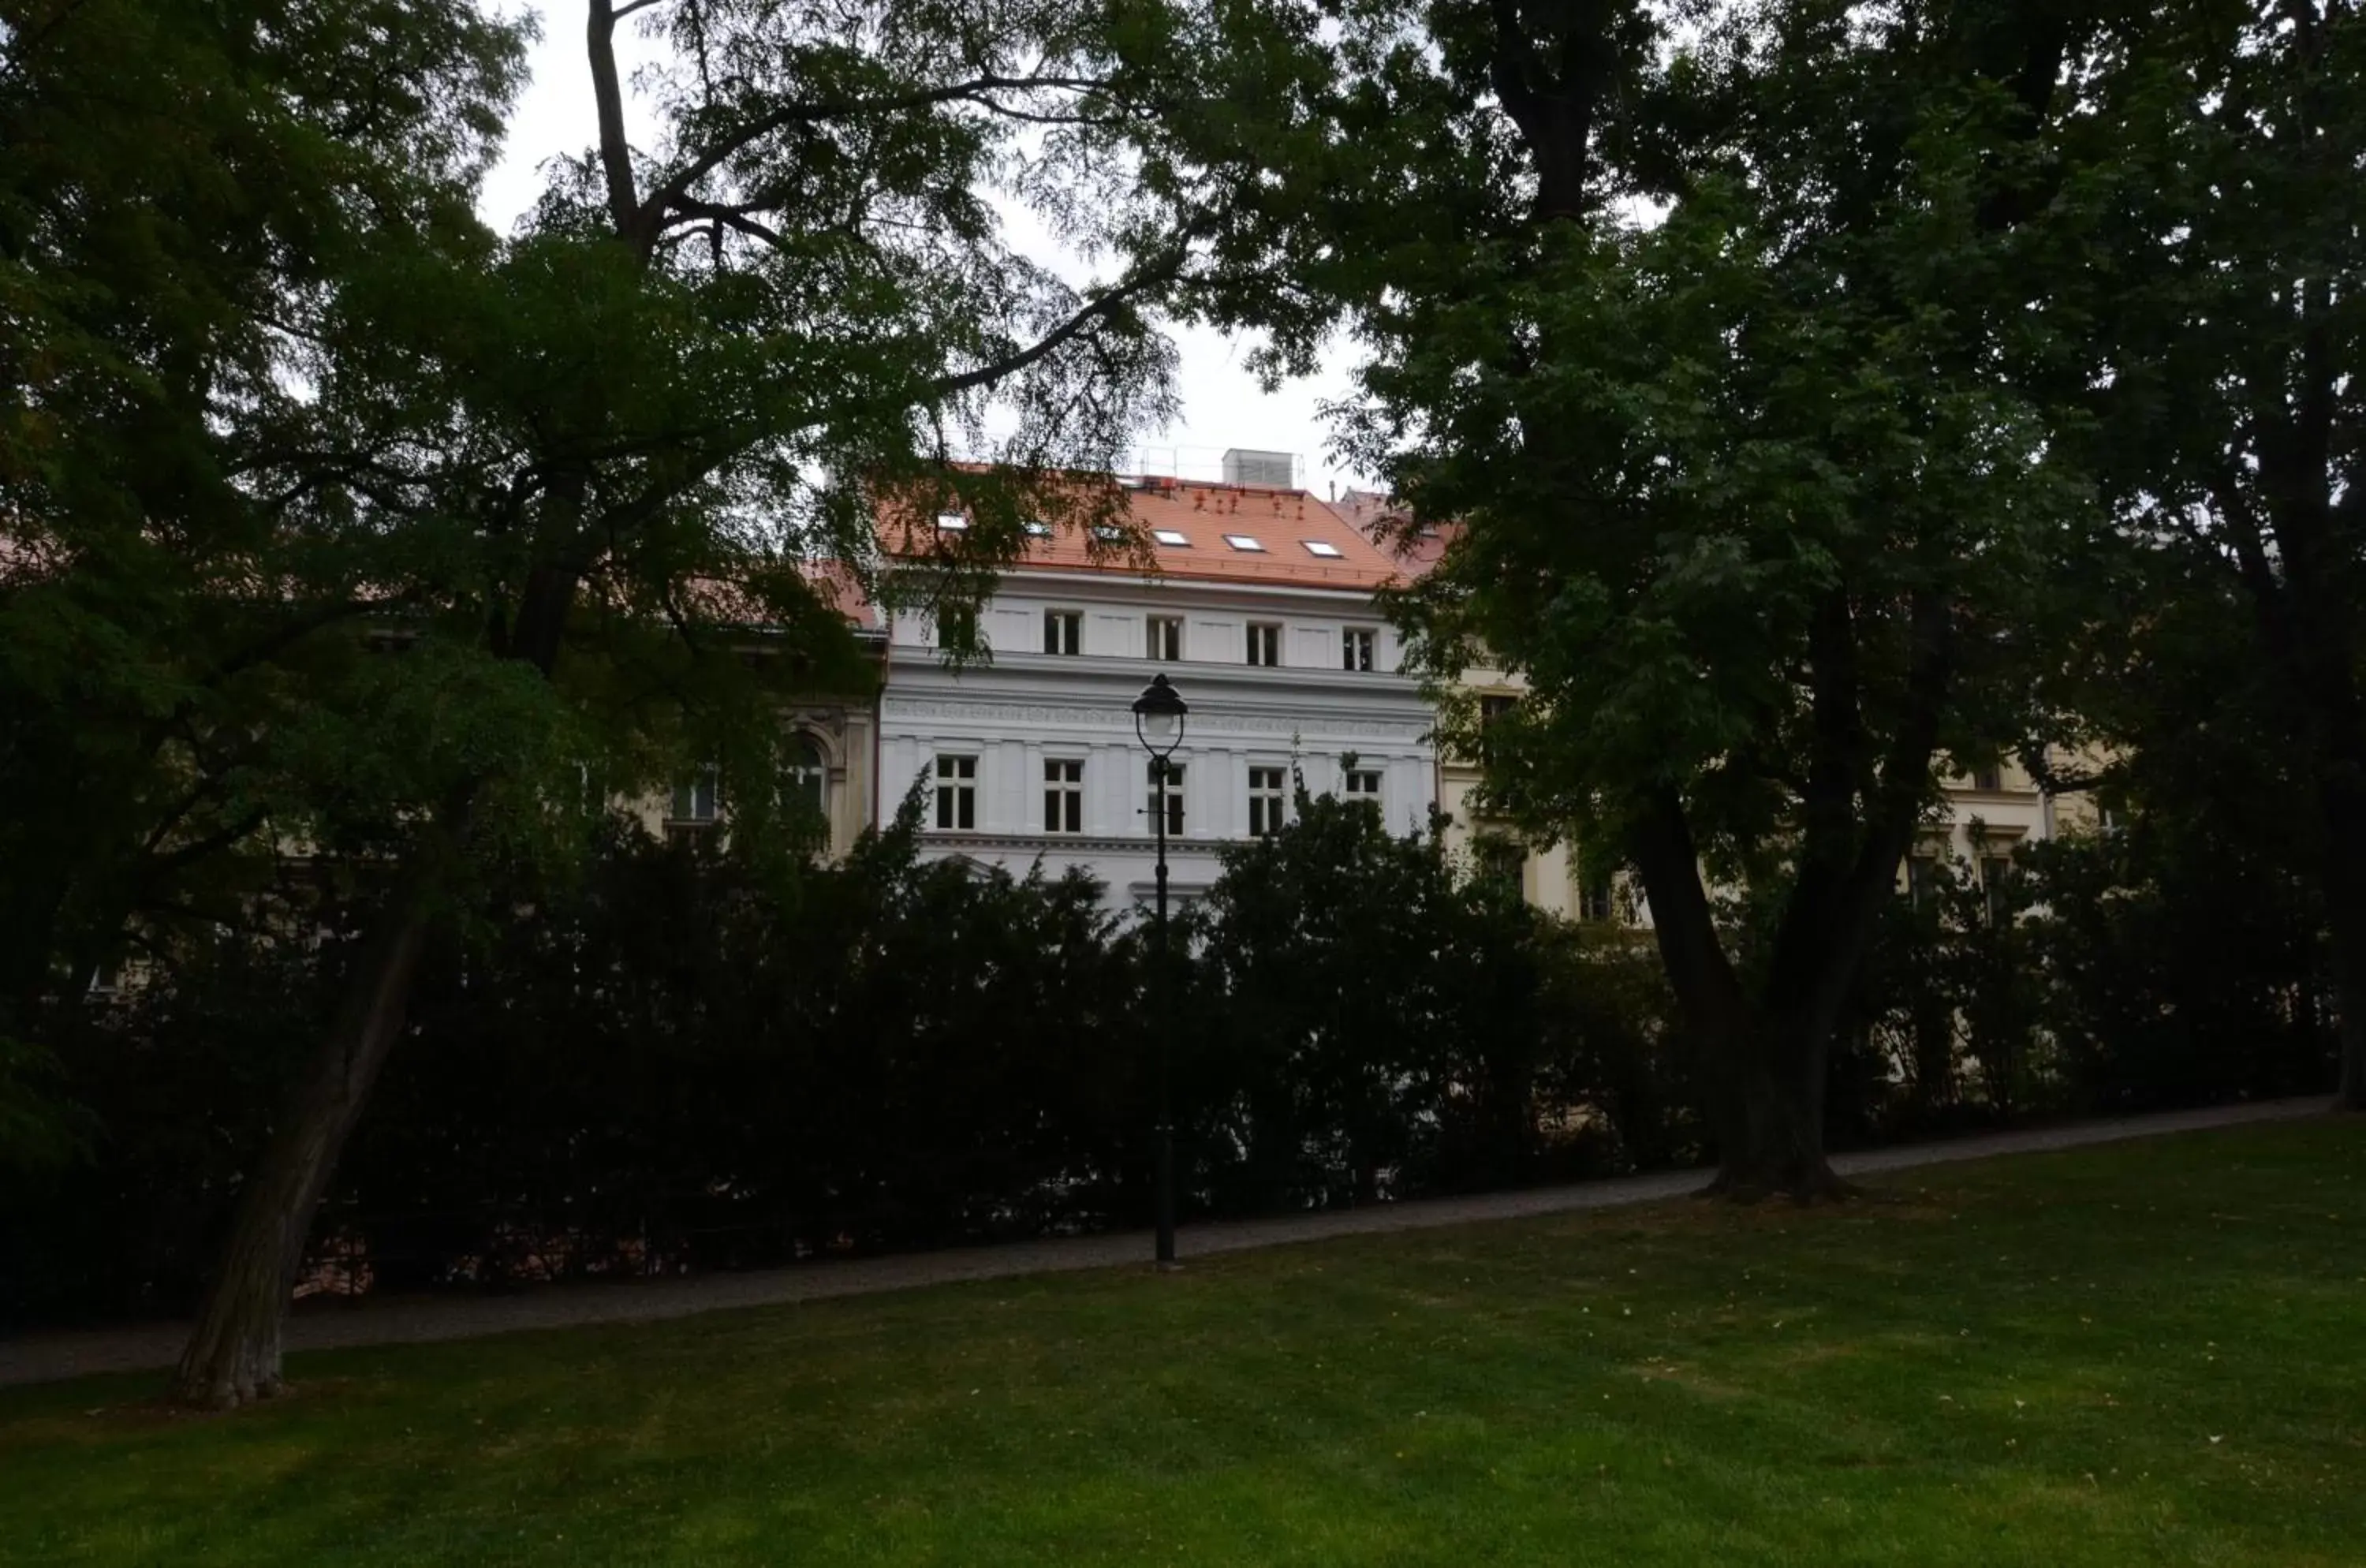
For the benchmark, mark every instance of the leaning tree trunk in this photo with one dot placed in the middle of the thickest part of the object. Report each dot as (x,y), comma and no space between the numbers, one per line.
(234,1356)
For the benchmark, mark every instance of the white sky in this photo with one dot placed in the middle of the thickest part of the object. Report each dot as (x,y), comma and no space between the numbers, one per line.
(1223,405)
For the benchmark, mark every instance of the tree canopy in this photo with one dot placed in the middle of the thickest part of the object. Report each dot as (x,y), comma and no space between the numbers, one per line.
(1722,343)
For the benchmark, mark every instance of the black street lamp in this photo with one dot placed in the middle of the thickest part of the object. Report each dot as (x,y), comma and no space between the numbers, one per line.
(1159,721)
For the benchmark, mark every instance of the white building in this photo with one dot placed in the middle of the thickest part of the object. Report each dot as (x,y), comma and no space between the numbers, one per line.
(1259,610)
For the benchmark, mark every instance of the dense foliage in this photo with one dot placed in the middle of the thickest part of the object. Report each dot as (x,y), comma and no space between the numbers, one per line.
(2226,144)
(693,1058)
(1724,345)
(1805,391)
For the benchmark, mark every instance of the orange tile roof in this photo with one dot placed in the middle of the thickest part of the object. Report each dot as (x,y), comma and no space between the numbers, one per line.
(1286,522)
(835,585)
(1379,519)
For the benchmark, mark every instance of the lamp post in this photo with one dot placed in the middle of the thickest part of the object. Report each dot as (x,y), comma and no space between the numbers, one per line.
(1159,723)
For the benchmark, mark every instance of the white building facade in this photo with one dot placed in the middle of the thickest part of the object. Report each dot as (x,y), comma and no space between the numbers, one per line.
(1260,612)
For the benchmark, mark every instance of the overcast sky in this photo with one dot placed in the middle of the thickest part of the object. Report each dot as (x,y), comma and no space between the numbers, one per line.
(1223,405)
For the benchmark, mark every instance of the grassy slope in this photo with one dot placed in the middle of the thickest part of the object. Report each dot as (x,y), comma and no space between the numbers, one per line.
(2152,1353)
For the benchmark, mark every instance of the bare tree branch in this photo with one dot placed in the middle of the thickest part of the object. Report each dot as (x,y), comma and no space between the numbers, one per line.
(616,152)
(678,185)
(1107,305)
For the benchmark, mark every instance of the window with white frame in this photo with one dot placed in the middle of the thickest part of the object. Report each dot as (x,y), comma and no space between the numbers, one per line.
(957,792)
(697,800)
(1596,893)
(1268,790)
(1362,783)
(1355,647)
(1064,631)
(808,776)
(1265,644)
(1166,638)
(1173,798)
(1500,860)
(1064,795)
(1995,888)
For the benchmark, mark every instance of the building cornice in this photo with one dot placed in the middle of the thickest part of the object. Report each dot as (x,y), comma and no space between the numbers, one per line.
(1047,845)
(1278,719)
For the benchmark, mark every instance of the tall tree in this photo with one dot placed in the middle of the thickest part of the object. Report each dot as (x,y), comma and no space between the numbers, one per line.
(691,375)
(2231,138)
(1713,335)
(184,189)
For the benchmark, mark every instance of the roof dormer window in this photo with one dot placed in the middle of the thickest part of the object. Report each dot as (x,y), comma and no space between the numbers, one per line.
(1323,547)
(1242,542)
(1169,536)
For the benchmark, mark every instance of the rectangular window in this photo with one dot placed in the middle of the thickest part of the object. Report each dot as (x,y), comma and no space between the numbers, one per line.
(956,627)
(1265,645)
(1921,880)
(1064,796)
(1493,711)
(1355,647)
(1500,860)
(1995,888)
(1174,799)
(1268,790)
(1166,638)
(1988,780)
(1363,783)
(1064,631)
(1593,899)
(699,800)
(957,793)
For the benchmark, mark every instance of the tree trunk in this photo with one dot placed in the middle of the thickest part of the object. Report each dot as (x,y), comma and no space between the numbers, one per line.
(234,1356)
(2351,1026)
(2344,885)
(1764,1083)
(1771,1143)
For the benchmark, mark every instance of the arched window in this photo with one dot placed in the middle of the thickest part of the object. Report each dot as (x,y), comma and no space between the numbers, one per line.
(808,776)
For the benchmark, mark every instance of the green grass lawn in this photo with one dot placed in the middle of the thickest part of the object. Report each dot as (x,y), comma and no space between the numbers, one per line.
(2151,1353)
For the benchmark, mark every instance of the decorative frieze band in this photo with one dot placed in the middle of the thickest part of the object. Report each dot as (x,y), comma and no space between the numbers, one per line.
(1079,717)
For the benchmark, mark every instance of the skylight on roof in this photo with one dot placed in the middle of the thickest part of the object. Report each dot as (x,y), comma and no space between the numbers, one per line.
(1038,529)
(1169,536)
(952,522)
(1108,534)
(1242,542)
(1323,547)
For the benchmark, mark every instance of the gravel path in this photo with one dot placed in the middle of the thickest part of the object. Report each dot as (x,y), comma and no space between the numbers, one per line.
(42,1358)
